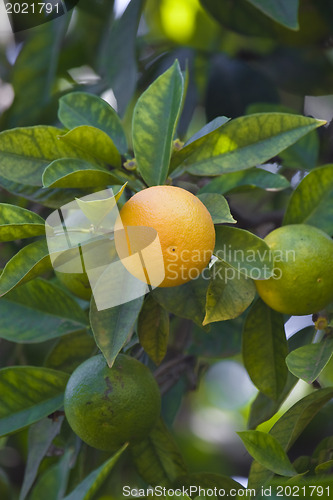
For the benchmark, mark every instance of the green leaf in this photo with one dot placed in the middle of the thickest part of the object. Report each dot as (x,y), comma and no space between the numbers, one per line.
(218,207)
(153,329)
(28,394)
(186,301)
(265,349)
(17,223)
(308,362)
(112,327)
(304,153)
(229,293)
(75,173)
(26,152)
(244,251)
(157,457)
(263,408)
(243,142)
(322,451)
(53,198)
(53,483)
(154,123)
(243,18)
(31,261)
(39,311)
(70,351)
(311,202)
(284,12)
(40,438)
(211,344)
(96,210)
(250,178)
(93,142)
(207,481)
(324,467)
(33,73)
(208,128)
(119,46)
(289,427)
(89,486)
(267,451)
(81,108)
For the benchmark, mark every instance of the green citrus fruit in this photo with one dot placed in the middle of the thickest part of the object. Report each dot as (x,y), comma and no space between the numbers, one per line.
(107,407)
(303,270)
(77,283)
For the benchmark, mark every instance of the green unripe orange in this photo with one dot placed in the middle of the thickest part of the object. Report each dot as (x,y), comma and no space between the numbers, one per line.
(107,407)
(303,263)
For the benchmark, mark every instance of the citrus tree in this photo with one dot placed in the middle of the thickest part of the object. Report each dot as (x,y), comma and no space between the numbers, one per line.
(105,329)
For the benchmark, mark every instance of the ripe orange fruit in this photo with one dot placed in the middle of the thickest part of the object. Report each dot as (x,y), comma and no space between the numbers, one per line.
(184,227)
(107,407)
(303,270)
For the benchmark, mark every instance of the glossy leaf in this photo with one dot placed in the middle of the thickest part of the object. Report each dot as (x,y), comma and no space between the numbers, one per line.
(40,438)
(70,351)
(75,173)
(53,198)
(157,457)
(311,202)
(28,394)
(304,153)
(229,293)
(284,12)
(308,362)
(111,327)
(289,427)
(153,329)
(52,484)
(243,18)
(208,128)
(186,301)
(31,261)
(119,46)
(243,142)
(154,123)
(94,143)
(39,311)
(218,208)
(263,407)
(250,178)
(25,152)
(267,451)
(247,253)
(17,223)
(265,349)
(89,486)
(81,108)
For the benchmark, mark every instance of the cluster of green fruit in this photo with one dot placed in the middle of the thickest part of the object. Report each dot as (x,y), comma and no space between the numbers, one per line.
(107,407)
